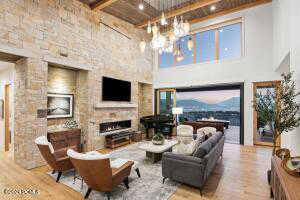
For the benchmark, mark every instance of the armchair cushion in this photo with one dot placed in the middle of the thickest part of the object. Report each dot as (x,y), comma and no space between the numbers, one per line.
(87,156)
(42,140)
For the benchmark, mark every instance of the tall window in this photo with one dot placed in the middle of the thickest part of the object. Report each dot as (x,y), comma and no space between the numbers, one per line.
(220,43)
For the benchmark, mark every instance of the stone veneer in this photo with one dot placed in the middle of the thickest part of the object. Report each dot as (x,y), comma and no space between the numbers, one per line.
(51,28)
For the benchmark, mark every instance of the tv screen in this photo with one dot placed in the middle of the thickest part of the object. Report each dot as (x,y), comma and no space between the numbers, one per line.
(115,90)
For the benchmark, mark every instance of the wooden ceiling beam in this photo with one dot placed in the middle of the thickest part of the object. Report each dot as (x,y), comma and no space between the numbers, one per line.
(232,10)
(102,4)
(180,11)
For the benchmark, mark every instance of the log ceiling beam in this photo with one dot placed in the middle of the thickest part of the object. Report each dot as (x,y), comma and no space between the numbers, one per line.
(180,11)
(232,10)
(102,4)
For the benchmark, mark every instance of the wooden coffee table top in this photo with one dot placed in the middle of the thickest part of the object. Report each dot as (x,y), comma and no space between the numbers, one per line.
(150,147)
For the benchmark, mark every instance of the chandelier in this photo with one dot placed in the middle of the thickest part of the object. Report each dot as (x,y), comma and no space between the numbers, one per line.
(166,32)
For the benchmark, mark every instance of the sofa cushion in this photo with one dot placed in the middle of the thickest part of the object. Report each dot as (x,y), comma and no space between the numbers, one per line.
(215,138)
(203,149)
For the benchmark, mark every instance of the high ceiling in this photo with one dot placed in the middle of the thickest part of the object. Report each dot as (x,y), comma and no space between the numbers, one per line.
(191,10)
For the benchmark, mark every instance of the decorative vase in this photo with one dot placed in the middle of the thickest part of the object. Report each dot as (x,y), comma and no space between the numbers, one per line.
(158,139)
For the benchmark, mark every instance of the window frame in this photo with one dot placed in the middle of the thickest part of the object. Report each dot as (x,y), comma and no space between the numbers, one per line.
(215,26)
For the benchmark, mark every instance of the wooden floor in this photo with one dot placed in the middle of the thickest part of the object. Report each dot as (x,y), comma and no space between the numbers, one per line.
(240,175)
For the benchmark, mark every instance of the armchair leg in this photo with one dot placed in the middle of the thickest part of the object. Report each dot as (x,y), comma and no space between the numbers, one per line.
(58,176)
(88,193)
(164,180)
(126,182)
(138,172)
(200,191)
(108,195)
(53,172)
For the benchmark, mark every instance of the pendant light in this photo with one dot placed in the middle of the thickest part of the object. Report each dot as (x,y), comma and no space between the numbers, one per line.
(154,29)
(149,27)
(142,46)
(190,44)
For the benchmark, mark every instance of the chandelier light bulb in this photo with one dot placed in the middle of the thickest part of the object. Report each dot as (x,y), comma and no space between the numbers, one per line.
(149,27)
(190,44)
(175,23)
(155,29)
(142,46)
(163,20)
(186,27)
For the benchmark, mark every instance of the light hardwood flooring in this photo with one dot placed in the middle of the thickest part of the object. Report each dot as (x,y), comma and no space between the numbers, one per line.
(240,175)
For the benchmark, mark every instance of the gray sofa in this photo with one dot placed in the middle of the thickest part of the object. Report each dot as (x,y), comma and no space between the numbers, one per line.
(194,170)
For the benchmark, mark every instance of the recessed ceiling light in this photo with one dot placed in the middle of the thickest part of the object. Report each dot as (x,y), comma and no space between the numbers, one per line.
(212,8)
(141,6)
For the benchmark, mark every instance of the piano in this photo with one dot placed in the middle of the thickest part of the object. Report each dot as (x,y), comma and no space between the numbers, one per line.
(162,123)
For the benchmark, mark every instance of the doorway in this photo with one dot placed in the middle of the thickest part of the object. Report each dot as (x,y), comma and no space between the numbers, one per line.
(230,108)
(7,117)
(7,71)
(262,129)
(166,100)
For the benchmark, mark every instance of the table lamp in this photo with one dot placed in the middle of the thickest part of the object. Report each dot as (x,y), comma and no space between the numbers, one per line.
(177,111)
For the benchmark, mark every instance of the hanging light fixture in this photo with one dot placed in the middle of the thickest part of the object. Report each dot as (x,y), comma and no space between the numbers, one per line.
(154,29)
(190,44)
(163,20)
(149,27)
(142,46)
(186,27)
(167,43)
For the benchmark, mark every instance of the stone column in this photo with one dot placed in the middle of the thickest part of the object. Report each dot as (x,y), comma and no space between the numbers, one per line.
(30,96)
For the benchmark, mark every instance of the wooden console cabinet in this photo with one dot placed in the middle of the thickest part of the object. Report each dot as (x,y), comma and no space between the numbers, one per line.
(283,185)
(64,139)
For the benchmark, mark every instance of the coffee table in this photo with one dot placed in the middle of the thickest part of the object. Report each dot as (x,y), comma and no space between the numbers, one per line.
(154,152)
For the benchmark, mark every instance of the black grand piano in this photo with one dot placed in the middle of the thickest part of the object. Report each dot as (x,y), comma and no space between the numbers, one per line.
(160,123)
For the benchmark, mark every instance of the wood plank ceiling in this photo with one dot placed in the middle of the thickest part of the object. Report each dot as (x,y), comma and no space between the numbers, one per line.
(128,10)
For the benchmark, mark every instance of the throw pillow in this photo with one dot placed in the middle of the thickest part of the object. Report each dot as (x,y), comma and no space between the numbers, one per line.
(203,149)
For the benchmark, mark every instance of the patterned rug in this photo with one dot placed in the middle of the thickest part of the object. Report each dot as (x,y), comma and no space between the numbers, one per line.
(148,187)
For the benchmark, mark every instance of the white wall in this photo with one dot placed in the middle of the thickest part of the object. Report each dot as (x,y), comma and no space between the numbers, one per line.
(255,65)
(286,37)
(6,77)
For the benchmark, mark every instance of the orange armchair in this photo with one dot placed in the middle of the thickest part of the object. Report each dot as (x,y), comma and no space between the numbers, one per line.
(97,173)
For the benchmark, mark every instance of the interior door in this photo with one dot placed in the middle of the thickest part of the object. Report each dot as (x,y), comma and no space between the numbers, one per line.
(262,130)
(7,117)
(166,100)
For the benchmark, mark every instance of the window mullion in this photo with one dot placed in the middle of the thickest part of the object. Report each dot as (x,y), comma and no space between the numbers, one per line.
(217,44)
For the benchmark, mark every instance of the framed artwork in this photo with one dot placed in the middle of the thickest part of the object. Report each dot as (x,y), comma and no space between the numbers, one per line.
(1,109)
(60,106)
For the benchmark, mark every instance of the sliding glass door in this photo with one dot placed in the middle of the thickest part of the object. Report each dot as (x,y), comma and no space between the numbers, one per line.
(166,100)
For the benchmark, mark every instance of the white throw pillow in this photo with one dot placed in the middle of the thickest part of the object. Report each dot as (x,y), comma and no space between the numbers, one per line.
(87,156)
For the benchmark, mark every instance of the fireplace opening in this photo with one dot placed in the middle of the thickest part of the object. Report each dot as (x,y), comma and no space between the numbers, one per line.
(114,126)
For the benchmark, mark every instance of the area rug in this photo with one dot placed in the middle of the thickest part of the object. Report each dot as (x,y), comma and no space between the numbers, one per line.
(148,187)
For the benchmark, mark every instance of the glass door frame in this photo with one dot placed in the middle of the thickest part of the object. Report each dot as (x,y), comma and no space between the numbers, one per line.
(157,97)
(257,85)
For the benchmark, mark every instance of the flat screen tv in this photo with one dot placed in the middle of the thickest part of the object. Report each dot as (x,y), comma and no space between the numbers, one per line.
(115,90)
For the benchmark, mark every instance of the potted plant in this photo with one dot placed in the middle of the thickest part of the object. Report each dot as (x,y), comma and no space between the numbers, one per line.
(158,139)
(279,109)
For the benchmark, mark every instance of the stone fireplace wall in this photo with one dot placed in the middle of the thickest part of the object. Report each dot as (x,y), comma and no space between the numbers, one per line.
(69,32)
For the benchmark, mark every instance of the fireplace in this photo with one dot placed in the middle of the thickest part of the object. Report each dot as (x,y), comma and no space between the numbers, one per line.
(117,133)
(113,127)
